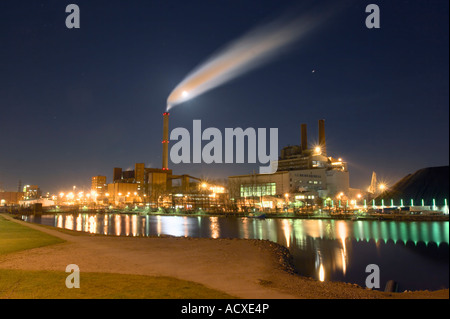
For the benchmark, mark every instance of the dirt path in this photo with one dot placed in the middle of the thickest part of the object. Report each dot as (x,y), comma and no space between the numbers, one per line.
(250,269)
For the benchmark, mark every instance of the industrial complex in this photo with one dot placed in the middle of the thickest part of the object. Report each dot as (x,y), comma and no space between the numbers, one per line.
(307,178)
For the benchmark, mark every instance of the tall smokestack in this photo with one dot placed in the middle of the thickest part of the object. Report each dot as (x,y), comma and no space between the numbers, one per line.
(304,138)
(322,141)
(165,142)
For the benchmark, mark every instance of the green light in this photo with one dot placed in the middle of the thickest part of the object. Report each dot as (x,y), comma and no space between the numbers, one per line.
(382,203)
(373,203)
(401,202)
(423,204)
(365,204)
(412,202)
(392,202)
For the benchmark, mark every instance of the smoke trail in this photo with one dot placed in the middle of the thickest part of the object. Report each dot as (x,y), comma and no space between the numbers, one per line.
(252,50)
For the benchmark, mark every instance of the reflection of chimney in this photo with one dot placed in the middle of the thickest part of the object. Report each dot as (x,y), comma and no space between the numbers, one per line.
(304,138)
(165,157)
(322,141)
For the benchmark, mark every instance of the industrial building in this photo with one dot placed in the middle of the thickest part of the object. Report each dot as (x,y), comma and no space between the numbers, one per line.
(160,188)
(28,196)
(99,186)
(157,187)
(141,185)
(32,192)
(305,174)
(10,198)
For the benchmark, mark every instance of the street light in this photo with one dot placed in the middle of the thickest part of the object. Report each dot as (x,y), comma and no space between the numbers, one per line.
(318,150)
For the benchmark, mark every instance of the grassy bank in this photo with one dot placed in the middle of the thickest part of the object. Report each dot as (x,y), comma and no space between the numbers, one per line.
(27,284)
(20,284)
(15,237)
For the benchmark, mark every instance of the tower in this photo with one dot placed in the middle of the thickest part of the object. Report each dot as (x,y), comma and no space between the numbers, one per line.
(322,141)
(373,183)
(304,138)
(165,142)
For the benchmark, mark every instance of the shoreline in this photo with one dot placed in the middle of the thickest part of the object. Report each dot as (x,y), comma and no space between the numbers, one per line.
(221,264)
(341,216)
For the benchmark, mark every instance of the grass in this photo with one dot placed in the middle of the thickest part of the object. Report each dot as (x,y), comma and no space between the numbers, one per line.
(20,284)
(15,237)
(36,284)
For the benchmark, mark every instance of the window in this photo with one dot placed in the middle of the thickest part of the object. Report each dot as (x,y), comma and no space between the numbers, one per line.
(258,190)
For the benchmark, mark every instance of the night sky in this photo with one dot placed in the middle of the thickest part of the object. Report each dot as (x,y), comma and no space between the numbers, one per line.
(77,102)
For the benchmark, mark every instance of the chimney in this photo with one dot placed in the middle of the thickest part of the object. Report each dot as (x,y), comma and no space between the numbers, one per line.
(322,141)
(117,176)
(165,157)
(304,138)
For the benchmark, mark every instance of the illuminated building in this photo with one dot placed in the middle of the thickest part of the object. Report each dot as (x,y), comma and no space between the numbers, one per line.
(31,192)
(148,184)
(301,170)
(37,202)
(258,189)
(98,185)
(123,193)
(10,198)
(156,187)
(159,187)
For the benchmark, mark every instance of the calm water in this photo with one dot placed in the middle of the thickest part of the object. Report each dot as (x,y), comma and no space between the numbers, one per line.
(414,254)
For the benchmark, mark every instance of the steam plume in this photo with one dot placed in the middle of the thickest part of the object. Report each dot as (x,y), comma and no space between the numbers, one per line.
(252,50)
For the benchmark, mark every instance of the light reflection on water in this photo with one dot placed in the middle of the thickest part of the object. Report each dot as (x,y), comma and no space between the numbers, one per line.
(415,254)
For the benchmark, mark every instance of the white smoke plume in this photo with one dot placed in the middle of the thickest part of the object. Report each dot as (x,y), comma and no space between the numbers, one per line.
(252,50)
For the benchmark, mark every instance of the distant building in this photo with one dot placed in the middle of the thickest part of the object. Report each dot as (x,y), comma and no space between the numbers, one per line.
(243,186)
(10,198)
(156,187)
(264,190)
(141,185)
(123,193)
(32,192)
(303,173)
(99,185)
(42,202)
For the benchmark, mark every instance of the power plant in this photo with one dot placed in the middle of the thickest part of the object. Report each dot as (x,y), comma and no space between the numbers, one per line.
(305,172)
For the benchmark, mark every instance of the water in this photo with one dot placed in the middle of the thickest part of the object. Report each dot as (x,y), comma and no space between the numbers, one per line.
(414,254)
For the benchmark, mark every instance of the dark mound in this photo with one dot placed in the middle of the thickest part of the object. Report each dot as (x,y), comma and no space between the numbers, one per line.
(427,184)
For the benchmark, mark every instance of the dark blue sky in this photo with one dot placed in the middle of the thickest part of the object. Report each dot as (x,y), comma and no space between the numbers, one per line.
(76,103)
